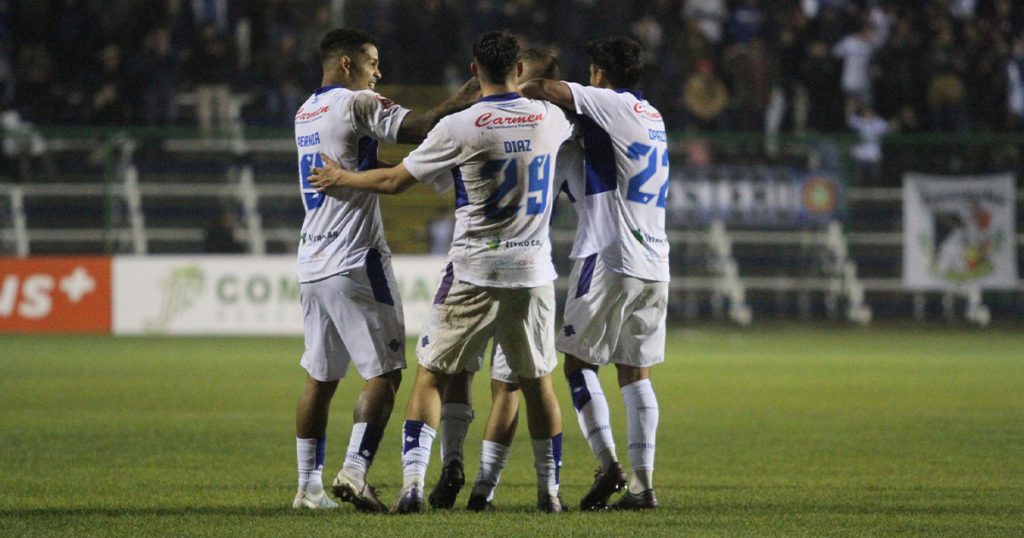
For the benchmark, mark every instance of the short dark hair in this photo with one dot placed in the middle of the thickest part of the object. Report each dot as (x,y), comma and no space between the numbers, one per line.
(496,54)
(344,41)
(620,58)
(544,62)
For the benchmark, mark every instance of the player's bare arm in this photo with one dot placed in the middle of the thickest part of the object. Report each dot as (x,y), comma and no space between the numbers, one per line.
(415,126)
(332,177)
(554,91)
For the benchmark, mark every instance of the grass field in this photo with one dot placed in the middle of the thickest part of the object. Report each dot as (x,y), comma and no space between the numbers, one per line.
(792,430)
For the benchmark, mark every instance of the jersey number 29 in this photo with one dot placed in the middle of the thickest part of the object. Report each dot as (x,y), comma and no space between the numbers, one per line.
(537,190)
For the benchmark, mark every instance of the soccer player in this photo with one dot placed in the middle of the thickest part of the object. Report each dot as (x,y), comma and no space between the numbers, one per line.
(457,407)
(618,291)
(351,309)
(500,154)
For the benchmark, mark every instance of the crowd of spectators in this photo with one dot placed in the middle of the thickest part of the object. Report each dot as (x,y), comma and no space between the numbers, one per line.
(713,65)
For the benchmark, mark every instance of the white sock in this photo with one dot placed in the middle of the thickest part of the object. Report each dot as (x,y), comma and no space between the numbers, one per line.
(362,447)
(455,419)
(493,458)
(592,413)
(642,425)
(310,458)
(547,460)
(417,439)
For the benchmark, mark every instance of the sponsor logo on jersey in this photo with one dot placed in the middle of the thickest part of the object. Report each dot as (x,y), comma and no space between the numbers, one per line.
(306,237)
(488,119)
(642,110)
(384,101)
(302,116)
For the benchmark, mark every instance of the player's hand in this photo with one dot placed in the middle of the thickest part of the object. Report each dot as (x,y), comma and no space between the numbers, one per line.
(327,176)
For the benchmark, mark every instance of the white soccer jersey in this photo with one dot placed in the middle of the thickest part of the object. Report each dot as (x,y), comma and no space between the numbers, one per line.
(500,154)
(620,196)
(345,125)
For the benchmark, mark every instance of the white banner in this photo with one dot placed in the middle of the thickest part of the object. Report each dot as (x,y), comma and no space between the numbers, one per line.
(238,295)
(959,232)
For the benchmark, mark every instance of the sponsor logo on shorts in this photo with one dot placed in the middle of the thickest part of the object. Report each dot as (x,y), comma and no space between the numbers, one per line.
(569,330)
(425,341)
(394,345)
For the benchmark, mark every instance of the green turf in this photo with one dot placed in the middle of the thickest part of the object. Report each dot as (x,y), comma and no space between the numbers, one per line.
(792,430)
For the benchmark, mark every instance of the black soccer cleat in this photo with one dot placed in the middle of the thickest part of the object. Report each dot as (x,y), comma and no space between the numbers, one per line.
(605,483)
(551,504)
(645,500)
(442,497)
(410,502)
(479,503)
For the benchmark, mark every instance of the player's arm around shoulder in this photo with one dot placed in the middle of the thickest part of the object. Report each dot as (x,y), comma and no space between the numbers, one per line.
(415,127)
(555,91)
(331,178)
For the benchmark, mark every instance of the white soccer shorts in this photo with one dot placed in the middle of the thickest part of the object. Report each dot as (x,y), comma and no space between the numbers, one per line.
(613,318)
(354,316)
(500,370)
(464,317)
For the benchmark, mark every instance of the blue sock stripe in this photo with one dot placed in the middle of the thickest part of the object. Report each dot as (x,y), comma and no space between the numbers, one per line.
(321,452)
(578,389)
(411,434)
(556,450)
(370,441)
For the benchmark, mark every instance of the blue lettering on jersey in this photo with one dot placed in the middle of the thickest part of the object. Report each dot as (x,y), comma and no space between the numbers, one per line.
(308,140)
(657,135)
(517,146)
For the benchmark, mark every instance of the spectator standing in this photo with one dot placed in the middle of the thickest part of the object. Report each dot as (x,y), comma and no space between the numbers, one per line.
(856,50)
(211,64)
(867,155)
(1015,85)
(710,16)
(156,72)
(705,98)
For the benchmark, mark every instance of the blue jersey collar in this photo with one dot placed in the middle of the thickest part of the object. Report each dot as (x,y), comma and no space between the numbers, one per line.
(327,89)
(635,93)
(501,97)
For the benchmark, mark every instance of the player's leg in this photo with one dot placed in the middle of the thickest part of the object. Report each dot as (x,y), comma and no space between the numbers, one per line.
(369,319)
(456,416)
(311,443)
(641,346)
(502,423)
(593,315)
(544,420)
(524,330)
(642,424)
(456,334)
(369,419)
(325,360)
(421,421)
(594,419)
